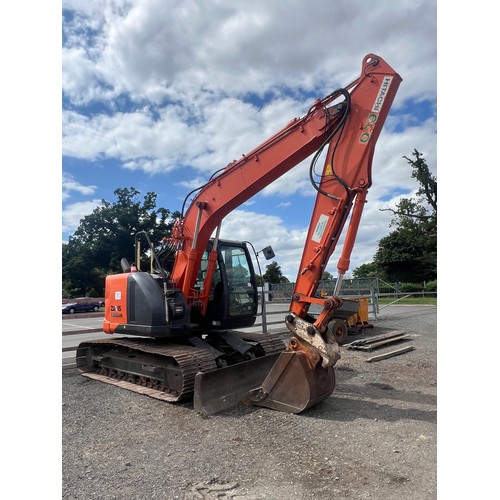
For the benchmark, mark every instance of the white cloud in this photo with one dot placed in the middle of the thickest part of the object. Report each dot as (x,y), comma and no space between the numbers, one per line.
(73,213)
(69,184)
(137,139)
(263,230)
(284,204)
(159,48)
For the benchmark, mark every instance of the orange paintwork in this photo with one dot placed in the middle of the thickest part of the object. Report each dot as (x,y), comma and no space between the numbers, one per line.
(115,307)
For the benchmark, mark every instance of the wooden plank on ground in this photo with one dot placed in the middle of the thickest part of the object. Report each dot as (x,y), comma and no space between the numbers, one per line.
(390,354)
(381,343)
(371,340)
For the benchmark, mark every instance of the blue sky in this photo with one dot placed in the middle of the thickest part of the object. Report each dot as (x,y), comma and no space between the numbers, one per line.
(159,94)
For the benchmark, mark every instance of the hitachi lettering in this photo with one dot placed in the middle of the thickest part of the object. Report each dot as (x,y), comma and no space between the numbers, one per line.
(377,106)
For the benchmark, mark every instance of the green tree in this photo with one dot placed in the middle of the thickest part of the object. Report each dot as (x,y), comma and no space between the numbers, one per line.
(366,271)
(422,209)
(326,276)
(409,253)
(106,235)
(273,274)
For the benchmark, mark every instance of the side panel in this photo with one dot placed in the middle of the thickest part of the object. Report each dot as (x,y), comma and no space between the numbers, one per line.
(115,302)
(136,305)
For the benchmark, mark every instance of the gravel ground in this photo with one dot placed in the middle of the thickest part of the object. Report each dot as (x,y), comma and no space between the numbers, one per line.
(374,438)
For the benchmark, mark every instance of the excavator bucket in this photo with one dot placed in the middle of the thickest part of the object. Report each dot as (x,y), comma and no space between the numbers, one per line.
(225,388)
(293,385)
(285,382)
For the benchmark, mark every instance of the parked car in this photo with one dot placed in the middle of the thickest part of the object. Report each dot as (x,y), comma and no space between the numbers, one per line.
(81,305)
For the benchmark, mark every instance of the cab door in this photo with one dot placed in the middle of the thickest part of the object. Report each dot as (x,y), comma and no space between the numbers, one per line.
(233,297)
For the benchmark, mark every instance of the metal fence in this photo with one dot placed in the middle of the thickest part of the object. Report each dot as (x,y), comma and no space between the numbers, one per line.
(354,287)
(366,287)
(350,287)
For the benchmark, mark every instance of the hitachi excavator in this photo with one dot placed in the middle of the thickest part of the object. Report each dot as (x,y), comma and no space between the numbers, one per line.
(174,328)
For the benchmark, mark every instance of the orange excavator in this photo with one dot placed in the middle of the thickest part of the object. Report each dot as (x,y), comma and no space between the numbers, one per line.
(174,328)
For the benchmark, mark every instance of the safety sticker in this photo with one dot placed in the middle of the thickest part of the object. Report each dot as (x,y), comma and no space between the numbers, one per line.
(320,228)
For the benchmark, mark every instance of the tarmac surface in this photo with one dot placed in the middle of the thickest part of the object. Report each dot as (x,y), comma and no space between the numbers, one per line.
(375,437)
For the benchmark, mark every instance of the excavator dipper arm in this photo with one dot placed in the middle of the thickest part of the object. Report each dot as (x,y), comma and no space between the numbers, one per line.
(341,192)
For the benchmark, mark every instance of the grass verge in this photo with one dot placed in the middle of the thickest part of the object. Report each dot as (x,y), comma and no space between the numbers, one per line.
(409,300)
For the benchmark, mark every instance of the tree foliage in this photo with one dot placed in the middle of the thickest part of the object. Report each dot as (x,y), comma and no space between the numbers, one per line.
(409,252)
(407,255)
(273,274)
(327,276)
(106,235)
(423,208)
(366,271)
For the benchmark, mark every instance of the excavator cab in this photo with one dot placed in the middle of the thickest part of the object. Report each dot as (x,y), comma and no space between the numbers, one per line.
(233,299)
(143,303)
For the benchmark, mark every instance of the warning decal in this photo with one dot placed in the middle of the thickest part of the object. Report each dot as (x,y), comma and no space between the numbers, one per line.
(320,228)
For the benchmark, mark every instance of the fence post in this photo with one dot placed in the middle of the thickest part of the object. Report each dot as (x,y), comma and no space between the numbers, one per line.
(374,303)
(263,299)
